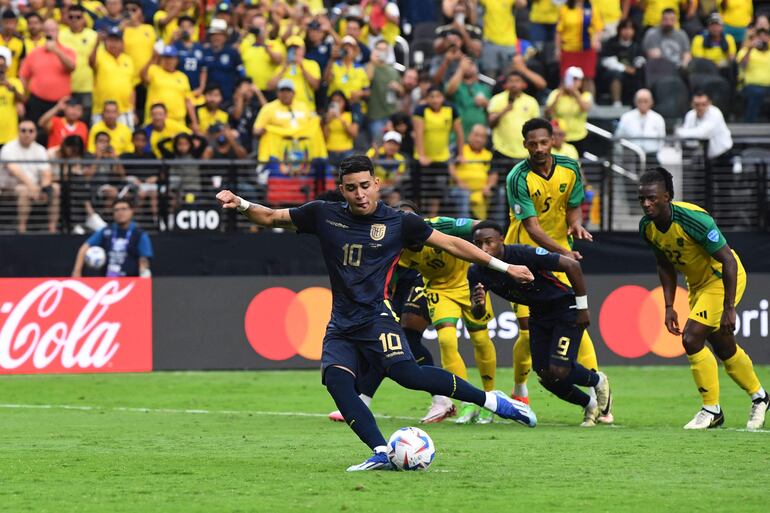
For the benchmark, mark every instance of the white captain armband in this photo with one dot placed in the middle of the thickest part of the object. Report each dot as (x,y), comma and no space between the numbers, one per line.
(497,265)
(244,206)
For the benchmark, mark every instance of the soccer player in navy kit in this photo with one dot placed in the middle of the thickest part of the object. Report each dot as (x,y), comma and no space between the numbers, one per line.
(361,241)
(559,315)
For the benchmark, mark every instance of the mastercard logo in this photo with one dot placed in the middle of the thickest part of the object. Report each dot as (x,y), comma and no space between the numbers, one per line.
(281,323)
(631,322)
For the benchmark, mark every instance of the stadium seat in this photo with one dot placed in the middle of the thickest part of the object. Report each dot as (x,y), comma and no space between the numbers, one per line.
(424,46)
(657,69)
(718,89)
(293,190)
(671,97)
(702,66)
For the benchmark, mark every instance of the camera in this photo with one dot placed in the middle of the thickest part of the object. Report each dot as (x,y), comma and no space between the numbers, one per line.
(291,55)
(221,139)
(185,35)
(761,45)
(343,53)
(254,31)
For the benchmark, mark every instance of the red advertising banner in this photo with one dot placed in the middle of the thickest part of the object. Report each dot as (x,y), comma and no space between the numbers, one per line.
(50,325)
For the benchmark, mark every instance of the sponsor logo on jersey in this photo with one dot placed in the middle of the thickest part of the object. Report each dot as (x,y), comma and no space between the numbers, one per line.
(517,209)
(562,187)
(462,221)
(680,242)
(377,231)
(541,251)
(713,235)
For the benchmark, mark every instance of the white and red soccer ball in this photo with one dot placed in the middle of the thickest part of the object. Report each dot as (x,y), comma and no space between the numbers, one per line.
(411,449)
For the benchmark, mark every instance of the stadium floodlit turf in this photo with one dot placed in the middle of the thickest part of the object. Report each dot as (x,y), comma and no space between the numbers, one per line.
(260,441)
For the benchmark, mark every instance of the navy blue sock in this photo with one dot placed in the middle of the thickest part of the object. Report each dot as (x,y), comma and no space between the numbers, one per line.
(369,382)
(420,352)
(581,376)
(342,387)
(435,381)
(566,391)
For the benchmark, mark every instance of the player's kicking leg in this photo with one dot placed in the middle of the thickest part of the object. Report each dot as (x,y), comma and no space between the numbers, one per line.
(555,343)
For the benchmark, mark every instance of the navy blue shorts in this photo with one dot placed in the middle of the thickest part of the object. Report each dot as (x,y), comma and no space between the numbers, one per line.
(554,338)
(417,303)
(370,348)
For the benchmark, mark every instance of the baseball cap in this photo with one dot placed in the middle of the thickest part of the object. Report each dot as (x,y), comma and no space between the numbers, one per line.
(285,83)
(714,17)
(72,101)
(169,51)
(5,52)
(392,136)
(349,40)
(574,72)
(217,26)
(9,14)
(115,32)
(314,25)
(215,128)
(295,41)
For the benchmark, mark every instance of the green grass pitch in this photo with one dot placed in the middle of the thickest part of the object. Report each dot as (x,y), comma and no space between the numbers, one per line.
(259,441)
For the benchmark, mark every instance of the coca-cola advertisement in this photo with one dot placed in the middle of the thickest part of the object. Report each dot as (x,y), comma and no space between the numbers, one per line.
(75,325)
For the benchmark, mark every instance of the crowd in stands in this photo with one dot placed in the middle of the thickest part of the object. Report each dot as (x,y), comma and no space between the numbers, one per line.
(298,85)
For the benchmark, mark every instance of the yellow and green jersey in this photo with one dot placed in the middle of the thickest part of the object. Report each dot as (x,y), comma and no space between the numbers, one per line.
(688,243)
(439,269)
(531,194)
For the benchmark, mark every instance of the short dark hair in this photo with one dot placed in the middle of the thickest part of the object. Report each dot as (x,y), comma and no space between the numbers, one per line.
(156,105)
(515,73)
(434,88)
(31,15)
(701,92)
(668,10)
(659,175)
(536,124)
(110,102)
(123,200)
(101,133)
(138,131)
(627,22)
(492,225)
(408,204)
(77,8)
(212,87)
(356,164)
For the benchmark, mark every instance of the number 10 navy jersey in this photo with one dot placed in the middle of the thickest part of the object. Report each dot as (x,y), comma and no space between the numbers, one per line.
(360,253)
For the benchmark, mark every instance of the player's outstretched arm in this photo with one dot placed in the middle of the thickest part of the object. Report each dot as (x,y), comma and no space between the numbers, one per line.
(730,281)
(667,275)
(464,250)
(575,225)
(257,214)
(532,225)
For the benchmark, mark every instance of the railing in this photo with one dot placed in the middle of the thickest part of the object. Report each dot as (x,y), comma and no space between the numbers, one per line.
(733,188)
(179,195)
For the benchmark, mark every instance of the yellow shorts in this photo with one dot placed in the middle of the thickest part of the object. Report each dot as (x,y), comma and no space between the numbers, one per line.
(707,303)
(451,305)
